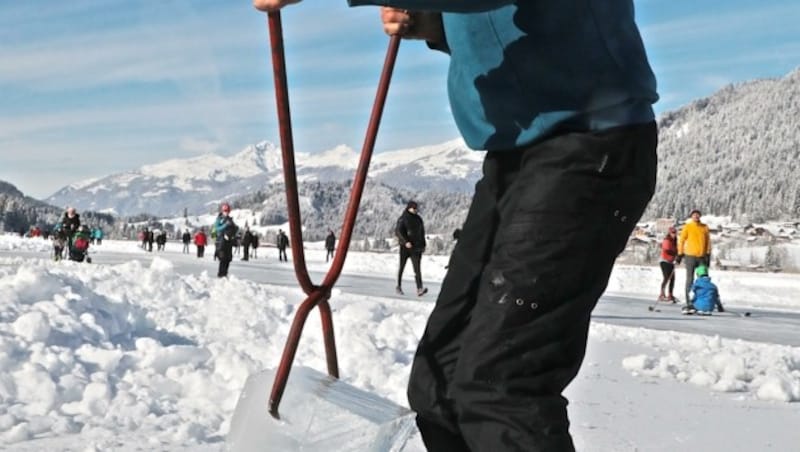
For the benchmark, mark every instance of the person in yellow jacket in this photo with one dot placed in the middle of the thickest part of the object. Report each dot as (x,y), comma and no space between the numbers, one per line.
(694,249)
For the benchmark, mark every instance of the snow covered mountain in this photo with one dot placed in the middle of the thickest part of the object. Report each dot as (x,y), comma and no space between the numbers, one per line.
(733,153)
(198,184)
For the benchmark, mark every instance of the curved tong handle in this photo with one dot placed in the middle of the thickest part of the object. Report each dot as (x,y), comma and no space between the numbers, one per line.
(317,295)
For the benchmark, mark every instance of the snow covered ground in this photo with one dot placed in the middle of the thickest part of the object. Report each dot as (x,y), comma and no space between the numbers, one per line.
(141,351)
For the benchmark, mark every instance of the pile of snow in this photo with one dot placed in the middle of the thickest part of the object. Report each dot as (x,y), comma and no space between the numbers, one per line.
(765,371)
(132,355)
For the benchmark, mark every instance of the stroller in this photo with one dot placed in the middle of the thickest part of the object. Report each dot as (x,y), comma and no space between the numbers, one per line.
(79,246)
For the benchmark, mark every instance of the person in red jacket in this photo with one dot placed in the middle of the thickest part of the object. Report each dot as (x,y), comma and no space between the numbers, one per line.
(669,251)
(200,240)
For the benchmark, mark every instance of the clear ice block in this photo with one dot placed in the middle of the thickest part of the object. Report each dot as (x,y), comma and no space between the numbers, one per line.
(317,413)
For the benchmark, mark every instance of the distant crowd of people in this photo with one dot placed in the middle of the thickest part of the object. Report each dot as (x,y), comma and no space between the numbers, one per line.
(228,238)
(689,246)
(71,240)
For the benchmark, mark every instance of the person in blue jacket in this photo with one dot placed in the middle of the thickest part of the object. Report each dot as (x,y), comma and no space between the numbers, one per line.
(559,94)
(705,293)
(226,234)
(97,235)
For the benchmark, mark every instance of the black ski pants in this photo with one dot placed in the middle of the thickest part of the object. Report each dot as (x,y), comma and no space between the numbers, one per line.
(509,328)
(225,255)
(667,276)
(416,259)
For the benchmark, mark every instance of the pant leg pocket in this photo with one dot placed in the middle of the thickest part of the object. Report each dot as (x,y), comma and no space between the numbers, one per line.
(513,304)
(535,268)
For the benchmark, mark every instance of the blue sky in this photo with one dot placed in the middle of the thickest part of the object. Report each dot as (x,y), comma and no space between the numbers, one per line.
(91,87)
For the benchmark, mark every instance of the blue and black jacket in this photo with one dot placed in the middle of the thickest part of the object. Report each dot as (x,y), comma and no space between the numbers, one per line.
(523,70)
(226,229)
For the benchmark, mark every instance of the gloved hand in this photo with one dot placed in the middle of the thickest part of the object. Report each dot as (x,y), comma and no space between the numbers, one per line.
(678,259)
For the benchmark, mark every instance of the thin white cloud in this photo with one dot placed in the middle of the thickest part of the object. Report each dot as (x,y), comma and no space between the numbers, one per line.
(714,82)
(705,27)
(195,56)
(14,13)
(186,48)
(173,114)
(196,145)
(100,58)
(766,57)
(216,111)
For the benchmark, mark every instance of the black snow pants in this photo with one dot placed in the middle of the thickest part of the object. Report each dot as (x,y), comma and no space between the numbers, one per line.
(416,260)
(225,255)
(509,328)
(668,277)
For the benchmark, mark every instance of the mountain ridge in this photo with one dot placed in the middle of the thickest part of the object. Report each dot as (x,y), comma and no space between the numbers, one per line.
(199,183)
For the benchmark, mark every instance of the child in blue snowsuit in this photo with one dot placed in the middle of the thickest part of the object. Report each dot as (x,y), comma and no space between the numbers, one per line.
(706,294)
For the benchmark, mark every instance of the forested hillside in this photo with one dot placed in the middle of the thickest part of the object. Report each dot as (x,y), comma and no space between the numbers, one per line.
(323,204)
(18,212)
(734,153)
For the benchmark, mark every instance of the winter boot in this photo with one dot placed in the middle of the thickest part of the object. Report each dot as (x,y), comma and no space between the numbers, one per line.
(688,310)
